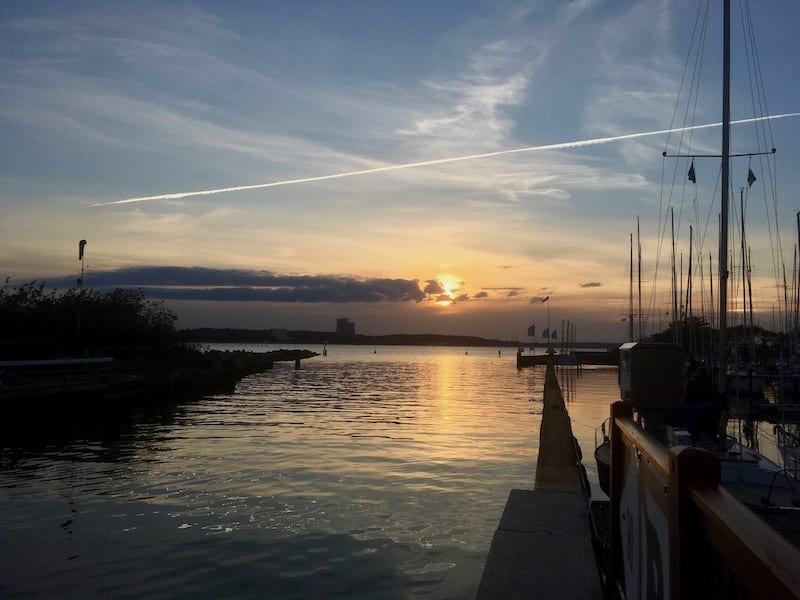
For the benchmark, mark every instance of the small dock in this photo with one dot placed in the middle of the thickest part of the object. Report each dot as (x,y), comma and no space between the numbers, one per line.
(577,358)
(542,547)
(246,363)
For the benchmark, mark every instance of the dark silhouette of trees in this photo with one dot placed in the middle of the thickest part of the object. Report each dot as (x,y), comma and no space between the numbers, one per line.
(35,323)
(746,344)
(693,334)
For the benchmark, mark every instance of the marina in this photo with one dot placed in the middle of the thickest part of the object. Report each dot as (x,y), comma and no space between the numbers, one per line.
(287,363)
(680,521)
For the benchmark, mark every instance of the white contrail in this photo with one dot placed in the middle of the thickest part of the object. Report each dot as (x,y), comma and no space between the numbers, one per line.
(438,161)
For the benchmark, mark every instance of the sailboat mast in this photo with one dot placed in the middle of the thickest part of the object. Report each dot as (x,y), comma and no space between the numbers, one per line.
(630,297)
(674,283)
(744,261)
(639,279)
(689,280)
(723,233)
(690,328)
(793,307)
(796,277)
(711,289)
(785,303)
(750,291)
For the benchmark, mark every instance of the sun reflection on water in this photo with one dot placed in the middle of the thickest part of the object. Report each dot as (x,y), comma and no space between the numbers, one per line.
(406,456)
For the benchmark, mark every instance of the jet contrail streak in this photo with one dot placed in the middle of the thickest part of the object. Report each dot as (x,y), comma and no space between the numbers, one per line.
(438,161)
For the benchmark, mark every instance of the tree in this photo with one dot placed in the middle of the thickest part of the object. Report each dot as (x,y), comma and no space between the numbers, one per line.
(39,324)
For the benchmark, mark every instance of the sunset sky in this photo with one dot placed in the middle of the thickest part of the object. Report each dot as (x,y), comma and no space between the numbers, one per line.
(109,101)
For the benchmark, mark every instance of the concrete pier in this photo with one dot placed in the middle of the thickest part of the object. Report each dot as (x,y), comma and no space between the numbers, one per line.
(558,467)
(542,547)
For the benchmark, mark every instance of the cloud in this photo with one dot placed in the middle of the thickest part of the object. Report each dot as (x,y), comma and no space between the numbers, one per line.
(433,287)
(591,284)
(472,105)
(576,8)
(461,298)
(513,293)
(480,295)
(199,283)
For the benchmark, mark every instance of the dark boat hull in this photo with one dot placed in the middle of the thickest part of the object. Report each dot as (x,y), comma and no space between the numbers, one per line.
(602,456)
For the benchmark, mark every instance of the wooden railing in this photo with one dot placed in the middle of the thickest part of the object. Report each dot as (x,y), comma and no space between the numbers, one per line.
(677,533)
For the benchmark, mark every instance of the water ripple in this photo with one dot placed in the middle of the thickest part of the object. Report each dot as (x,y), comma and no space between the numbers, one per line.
(369,474)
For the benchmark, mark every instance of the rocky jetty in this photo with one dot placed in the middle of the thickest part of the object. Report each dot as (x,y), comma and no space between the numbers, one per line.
(217,371)
(135,378)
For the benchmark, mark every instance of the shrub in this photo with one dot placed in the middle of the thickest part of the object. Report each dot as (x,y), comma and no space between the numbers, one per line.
(35,323)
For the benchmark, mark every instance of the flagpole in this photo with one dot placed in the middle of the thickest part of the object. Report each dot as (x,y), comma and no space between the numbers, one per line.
(549,349)
(549,333)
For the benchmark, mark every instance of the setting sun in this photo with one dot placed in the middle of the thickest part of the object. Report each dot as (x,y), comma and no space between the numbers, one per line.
(450,286)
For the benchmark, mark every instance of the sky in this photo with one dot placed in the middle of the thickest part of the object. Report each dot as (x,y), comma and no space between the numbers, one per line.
(431,224)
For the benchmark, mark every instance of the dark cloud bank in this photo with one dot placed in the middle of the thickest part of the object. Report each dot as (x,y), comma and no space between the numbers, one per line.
(198,283)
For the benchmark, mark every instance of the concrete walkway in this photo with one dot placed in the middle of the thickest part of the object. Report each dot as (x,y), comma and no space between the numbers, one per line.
(542,547)
(558,466)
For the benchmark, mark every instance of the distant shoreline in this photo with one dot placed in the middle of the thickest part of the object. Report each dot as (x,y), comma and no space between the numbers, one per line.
(271,336)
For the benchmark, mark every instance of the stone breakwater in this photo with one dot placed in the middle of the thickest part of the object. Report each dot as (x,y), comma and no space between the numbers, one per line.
(139,377)
(217,372)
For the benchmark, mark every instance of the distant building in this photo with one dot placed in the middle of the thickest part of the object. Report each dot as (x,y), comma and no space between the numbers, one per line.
(345,327)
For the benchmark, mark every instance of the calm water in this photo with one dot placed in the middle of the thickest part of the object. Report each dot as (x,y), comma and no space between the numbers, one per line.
(364,474)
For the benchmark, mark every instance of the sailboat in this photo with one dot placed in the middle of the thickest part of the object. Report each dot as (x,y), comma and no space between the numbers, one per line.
(683,408)
(789,447)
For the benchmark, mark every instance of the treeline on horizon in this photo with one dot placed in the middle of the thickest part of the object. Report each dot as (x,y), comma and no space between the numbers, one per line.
(225,335)
(271,336)
(697,336)
(36,323)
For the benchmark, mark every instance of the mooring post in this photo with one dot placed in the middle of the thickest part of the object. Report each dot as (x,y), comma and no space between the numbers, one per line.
(296,363)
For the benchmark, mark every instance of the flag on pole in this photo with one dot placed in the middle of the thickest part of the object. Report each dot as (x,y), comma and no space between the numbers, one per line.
(751,177)
(692,178)
(81,244)
(532,330)
(546,334)
(555,334)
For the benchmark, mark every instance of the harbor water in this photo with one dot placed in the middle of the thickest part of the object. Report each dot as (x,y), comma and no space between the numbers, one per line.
(369,472)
